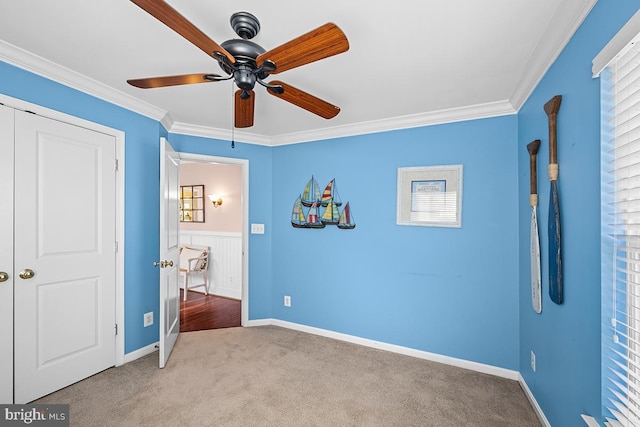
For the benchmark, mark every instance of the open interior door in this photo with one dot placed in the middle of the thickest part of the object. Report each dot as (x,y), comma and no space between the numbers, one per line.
(169,250)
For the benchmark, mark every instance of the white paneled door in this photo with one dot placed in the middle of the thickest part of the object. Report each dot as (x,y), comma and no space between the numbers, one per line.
(169,250)
(64,254)
(6,255)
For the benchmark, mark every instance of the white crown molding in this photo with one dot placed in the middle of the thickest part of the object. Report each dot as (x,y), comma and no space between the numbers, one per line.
(471,112)
(28,61)
(167,122)
(574,11)
(630,31)
(216,133)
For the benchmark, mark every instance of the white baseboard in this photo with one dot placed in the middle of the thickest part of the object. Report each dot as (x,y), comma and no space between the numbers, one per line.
(130,357)
(533,401)
(461,363)
(259,322)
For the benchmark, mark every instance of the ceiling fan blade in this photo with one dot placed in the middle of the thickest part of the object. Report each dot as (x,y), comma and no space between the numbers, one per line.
(304,100)
(244,109)
(324,41)
(178,23)
(184,79)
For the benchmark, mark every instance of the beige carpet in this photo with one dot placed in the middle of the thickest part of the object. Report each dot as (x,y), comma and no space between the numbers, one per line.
(270,376)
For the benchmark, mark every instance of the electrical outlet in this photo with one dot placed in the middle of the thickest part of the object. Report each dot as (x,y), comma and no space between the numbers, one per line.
(287,301)
(533,361)
(148,319)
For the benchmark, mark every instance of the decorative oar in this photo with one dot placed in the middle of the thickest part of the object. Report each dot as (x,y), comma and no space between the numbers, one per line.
(555,247)
(536,298)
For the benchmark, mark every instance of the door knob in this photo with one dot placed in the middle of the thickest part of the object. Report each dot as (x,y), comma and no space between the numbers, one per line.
(4,276)
(163,264)
(26,274)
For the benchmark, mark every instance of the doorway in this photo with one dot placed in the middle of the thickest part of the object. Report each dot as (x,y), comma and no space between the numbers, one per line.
(223,228)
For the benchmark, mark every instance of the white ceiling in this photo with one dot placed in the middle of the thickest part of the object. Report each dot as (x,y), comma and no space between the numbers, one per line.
(410,63)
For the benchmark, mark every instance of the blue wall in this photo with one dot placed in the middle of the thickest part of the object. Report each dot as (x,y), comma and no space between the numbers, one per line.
(451,291)
(566,338)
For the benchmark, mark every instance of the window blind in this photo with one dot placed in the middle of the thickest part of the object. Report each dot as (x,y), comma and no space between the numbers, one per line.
(620,196)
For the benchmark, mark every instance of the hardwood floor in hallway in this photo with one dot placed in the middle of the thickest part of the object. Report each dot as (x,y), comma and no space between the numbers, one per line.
(202,312)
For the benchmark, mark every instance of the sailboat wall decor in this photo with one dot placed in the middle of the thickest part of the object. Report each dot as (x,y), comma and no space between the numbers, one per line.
(331,214)
(323,209)
(298,218)
(311,193)
(346,221)
(331,193)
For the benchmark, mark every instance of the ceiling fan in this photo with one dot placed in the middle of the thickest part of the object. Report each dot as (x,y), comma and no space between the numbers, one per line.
(247,63)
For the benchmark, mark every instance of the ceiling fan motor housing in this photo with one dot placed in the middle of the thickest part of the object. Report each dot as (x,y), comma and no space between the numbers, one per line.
(244,51)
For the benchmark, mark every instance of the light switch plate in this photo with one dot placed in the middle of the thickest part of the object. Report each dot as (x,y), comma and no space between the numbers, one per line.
(257,228)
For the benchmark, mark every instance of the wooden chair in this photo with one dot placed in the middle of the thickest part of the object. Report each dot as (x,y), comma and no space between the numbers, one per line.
(194,262)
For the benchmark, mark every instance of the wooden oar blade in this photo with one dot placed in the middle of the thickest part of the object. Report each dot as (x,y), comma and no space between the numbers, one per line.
(164,13)
(305,100)
(323,42)
(244,109)
(184,79)
(555,247)
(536,287)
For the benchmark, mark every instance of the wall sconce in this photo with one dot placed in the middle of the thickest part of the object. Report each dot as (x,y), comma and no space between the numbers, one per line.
(216,200)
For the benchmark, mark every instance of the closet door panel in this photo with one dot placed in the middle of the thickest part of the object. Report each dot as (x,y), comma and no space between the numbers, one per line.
(65,235)
(6,254)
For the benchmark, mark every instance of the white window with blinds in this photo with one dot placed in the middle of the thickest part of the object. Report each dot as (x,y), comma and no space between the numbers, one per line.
(620,196)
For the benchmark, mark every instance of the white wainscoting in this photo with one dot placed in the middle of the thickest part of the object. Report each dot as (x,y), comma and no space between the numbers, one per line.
(225,261)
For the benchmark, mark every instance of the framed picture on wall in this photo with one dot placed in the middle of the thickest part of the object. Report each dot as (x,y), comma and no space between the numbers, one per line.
(430,196)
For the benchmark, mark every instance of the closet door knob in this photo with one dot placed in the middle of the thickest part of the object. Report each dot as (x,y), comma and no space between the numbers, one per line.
(26,274)
(3,276)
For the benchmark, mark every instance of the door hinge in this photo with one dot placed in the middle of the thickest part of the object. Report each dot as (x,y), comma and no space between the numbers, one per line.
(117,165)
(116,329)
(115,246)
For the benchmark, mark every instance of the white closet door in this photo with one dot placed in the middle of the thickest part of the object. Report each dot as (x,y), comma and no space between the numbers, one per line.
(6,255)
(65,235)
